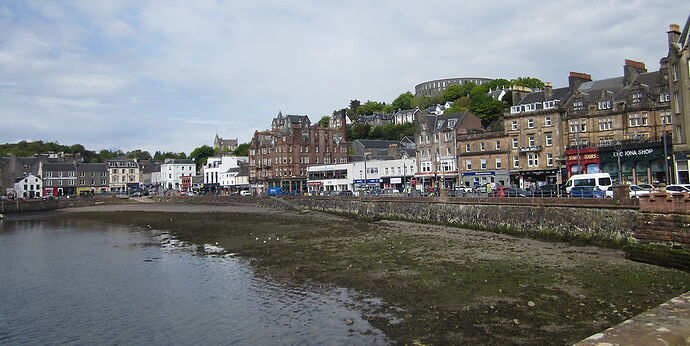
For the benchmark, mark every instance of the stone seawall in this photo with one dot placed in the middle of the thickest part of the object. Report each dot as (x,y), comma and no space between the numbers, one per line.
(21,206)
(595,225)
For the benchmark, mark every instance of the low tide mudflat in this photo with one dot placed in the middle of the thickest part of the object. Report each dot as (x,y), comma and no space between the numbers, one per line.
(441,285)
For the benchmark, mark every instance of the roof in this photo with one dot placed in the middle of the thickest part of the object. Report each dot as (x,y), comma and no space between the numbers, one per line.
(59,167)
(92,167)
(540,96)
(684,39)
(178,162)
(376,143)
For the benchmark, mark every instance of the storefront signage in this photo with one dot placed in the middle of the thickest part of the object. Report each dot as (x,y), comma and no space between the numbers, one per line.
(583,157)
(634,152)
(314,183)
(470,174)
(529,149)
(369,181)
(396,181)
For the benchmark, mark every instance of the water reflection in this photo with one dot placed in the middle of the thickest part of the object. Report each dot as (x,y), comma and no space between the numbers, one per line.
(91,283)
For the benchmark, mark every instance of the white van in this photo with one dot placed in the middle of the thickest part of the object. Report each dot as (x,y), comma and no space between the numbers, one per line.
(601,180)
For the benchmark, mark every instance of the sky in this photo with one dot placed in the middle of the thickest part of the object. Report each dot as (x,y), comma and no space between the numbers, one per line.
(168,75)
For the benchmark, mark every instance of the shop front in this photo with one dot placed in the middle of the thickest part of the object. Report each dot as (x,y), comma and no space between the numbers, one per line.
(477,179)
(530,179)
(583,161)
(640,163)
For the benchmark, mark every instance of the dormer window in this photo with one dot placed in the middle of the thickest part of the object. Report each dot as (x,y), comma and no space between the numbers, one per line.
(439,124)
(514,109)
(637,97)
(578,105)
(665,97)
(549,104)
(530,107)
(606,104)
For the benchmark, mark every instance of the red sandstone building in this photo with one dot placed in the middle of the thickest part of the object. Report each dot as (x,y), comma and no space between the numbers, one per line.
(279,157)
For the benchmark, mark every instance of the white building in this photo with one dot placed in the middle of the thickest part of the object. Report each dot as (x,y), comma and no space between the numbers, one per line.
(215,166)
(29,186)
(172,171)
(406,116)
(235,178)
(357,175)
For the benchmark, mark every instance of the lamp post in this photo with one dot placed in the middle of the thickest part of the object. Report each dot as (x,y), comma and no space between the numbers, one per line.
(618,146)
(666,170)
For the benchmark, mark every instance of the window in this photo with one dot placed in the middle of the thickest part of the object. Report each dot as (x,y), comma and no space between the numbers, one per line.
(532,160)
(531,141)
(515,142)
(468,164)
(421,139)
(514,125)
(482,163)
(605,141)
(664,97)
(498,145)
(578,105)
(666,118)
(436,138)
(547,120)
(605,124)
(530,107)
(516,161)
(514,109)
(448,136)
(675,72)
(482,146)
(498,162)
(637,97)
(530,123)
(634,120)
(548,140)
(468,148)
(676,98)
(549,159)
(549,104)
(448,152)
(605,104)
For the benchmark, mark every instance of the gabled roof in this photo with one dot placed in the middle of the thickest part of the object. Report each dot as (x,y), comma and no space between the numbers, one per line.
(684,40)
(376,143)
(59,167)
(179,162)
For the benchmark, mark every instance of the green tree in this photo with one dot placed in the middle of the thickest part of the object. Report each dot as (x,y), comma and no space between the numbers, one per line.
(404,101)
(243,149)
(371,107)
(453,93)
(200,154)
(358,131)
(138,154)
(323,122)
(424,102)
(529,82)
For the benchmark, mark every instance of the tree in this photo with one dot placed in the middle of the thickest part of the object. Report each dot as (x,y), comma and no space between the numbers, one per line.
(200,154)
(404,101)
(243,149)
(354,105)
(424,102)
(371,107)
(139,155)
(323,122)
(529,82)
(453,93)
(358,131)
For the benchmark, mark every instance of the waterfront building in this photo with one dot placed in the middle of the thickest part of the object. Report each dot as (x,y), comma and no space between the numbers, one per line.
(279,157)
(533,127)
(225,145)
(370,174)
(678,75)
(125,175)
(483,158)
(76,178)
(172,172)
(436,143)
(29,186)
(235,178)
(215,167)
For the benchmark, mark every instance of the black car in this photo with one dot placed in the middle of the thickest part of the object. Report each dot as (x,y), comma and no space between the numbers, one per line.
(548,190)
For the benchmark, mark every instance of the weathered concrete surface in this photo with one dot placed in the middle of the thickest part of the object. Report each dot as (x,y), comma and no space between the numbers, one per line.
(666,324)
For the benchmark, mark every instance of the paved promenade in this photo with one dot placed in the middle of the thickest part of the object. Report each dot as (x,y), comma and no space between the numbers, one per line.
(666,324)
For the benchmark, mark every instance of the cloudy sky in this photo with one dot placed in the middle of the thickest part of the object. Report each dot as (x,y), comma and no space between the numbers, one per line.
(169,75)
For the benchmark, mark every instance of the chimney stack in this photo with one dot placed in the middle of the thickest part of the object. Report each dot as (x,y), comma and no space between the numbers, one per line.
(631,69)
(575,79)
(548,91)
(673,34)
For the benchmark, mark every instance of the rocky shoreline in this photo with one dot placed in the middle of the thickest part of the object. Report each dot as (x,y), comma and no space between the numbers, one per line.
(440,285)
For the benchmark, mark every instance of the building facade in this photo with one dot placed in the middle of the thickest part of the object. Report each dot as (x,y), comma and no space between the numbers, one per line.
(221,144)
(483,159)
(370,174)
(436,147)
(172,172)
(124,174)
(28,187)
(678,75)
(280,156)
(66,179)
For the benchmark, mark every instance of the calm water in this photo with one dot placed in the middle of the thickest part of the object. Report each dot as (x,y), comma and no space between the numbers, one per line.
(101,284)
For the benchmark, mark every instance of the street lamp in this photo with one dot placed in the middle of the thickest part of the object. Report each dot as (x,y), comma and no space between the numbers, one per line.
(666,170)
(619,146)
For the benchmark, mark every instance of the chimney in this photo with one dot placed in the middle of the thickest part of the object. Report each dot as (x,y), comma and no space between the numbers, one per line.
(519,92)
(673,34)
(663,66)
(631,69)
(575,79)
(548,91)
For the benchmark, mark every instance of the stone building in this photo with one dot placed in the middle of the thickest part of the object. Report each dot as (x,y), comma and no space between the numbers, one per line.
(76,178)
(279,157)
(483,158)
(436,87)
(124,175)
(436,143)
(221,144)
(678,75)
(533,130)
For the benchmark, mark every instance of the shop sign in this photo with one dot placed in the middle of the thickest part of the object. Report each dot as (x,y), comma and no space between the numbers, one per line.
(369,181)
(583,157)
(314,183)
(396,181)
(471,174)
(635,152)
(530,149)
(682,156)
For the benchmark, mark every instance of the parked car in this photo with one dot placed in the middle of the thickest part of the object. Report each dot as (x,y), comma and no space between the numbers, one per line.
(602,181)
(548,190)
(586,192)
(648,187)
(346,193)
(245,193)
(677,189)
(634,191)
(504,191)
(390,192)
